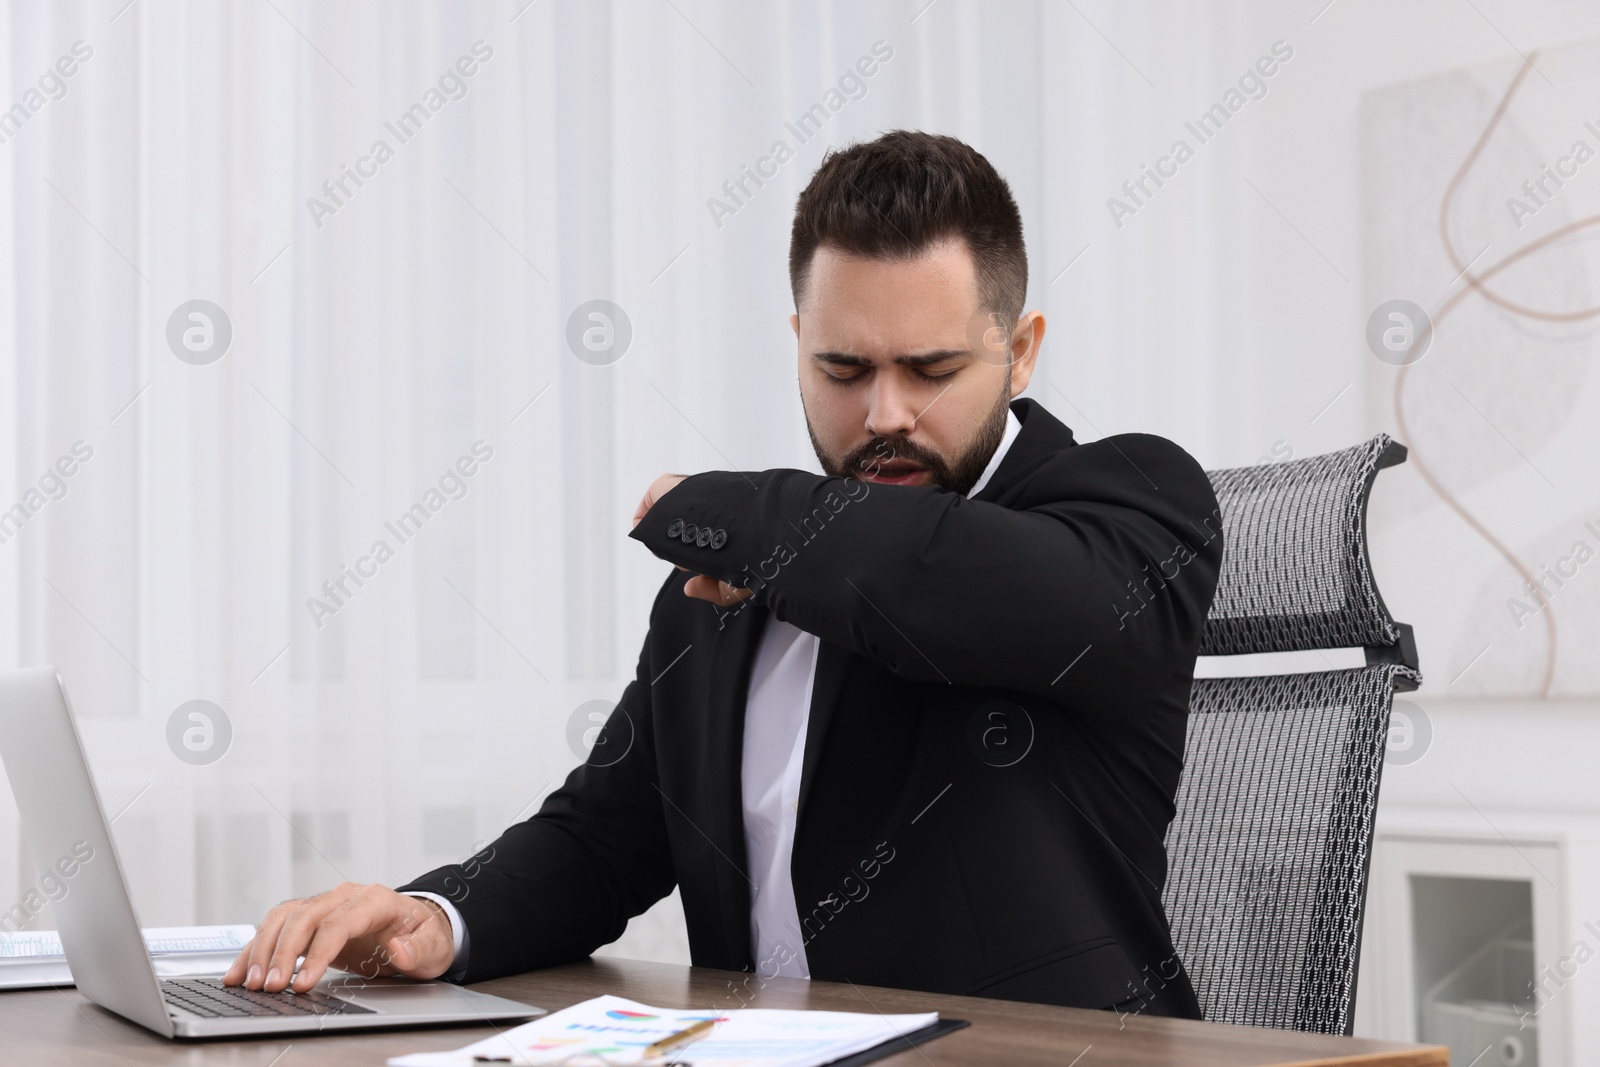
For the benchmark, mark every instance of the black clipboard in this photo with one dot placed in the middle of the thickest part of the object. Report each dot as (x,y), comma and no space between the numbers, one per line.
(937,1028)
(900,1043)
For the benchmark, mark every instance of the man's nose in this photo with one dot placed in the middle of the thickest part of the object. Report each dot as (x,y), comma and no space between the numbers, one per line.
(892,412)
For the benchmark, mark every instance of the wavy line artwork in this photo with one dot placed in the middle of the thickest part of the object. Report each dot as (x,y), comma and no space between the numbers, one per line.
(1477,283)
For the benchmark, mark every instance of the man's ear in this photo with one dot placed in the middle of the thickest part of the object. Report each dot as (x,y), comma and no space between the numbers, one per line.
(794,324)
(1025,342)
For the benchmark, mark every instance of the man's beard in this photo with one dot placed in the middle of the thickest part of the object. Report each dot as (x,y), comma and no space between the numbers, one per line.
(957,477)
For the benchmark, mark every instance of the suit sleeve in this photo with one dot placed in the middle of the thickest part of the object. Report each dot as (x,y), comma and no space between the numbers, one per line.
(1110,550)
(559,885)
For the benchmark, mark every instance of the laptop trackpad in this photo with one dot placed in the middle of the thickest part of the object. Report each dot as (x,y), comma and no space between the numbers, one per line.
(397,994)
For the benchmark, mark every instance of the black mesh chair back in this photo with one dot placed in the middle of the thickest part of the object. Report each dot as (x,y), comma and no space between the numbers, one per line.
(1269,850)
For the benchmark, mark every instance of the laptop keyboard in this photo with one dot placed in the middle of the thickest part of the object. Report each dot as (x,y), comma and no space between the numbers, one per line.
(208,997)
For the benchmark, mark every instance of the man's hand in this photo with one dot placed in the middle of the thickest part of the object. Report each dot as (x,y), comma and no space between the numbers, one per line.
(701,587)
(658,489)
(369,930)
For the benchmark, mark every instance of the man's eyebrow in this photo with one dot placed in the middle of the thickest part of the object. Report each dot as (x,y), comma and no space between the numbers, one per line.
(925,359)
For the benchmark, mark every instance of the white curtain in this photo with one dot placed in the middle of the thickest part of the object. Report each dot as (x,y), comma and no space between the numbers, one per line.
(383,330)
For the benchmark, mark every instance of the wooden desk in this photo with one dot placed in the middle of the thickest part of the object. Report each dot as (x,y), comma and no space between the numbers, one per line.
(44,1028)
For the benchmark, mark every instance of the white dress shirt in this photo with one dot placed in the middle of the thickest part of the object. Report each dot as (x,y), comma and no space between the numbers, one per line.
(777,708)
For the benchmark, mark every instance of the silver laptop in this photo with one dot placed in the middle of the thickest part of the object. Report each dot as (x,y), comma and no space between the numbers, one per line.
(64,822)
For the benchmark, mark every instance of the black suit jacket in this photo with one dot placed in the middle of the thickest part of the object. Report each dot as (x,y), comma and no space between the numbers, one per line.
(995,735)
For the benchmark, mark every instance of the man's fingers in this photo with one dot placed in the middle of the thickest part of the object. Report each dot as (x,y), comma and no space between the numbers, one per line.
(645,504)
(328,940)
(658,489)
(295,934)
(345,926)
(258,952)
(372,933)
(704,587)
(241,963)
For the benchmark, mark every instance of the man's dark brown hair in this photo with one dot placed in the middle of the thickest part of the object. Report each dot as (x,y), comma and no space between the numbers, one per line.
(893,197)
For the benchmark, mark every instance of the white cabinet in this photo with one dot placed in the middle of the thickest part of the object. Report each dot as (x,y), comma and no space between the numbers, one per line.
(1495,822)
(1464,946)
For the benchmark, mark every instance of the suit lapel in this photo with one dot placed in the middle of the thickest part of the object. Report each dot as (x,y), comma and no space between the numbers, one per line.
(1041,434)
(733,658)
(827,688)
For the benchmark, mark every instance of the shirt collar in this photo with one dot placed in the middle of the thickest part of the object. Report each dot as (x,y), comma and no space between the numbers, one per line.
(1013,424)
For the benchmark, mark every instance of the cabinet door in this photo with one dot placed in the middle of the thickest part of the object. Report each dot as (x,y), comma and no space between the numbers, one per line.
(1433,901)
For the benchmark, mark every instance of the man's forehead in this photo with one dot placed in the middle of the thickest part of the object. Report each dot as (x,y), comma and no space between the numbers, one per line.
(886,307)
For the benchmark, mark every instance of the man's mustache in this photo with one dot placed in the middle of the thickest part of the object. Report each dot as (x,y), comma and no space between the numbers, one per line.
(881,450)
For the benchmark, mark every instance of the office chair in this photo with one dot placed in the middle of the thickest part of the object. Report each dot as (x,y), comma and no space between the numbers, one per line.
(1269,851)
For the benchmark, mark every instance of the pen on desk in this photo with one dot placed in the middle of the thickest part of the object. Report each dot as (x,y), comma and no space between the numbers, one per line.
(682,1037)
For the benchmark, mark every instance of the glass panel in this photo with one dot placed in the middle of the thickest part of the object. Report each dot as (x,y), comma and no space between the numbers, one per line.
(1474,973)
